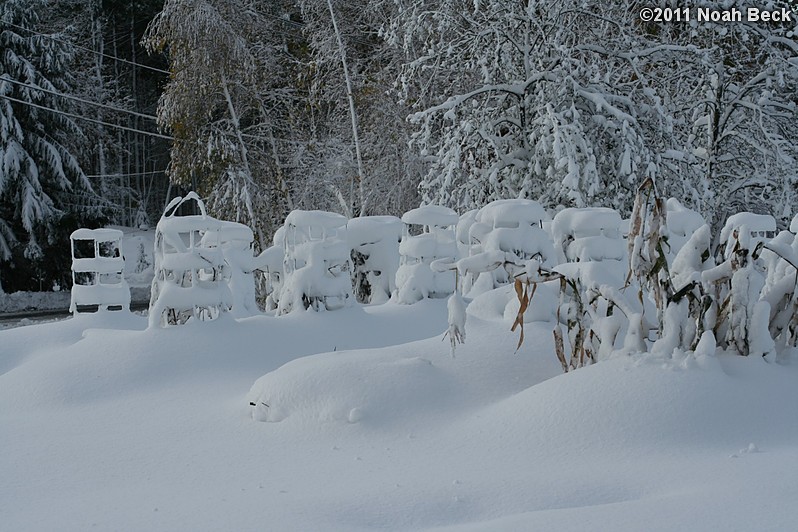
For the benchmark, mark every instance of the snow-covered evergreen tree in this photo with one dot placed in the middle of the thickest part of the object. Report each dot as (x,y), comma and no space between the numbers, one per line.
(40,178)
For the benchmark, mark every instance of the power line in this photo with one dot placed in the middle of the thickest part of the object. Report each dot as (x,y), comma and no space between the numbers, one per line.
(56,111)
(88,49)
(129,175)
(69,96)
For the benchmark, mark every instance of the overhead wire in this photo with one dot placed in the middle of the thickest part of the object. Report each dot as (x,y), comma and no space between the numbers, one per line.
(139,65)
(92,120)
(76,98)
(115,174)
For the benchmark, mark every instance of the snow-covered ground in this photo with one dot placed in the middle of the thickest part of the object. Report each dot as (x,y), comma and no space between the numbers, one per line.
(371,424)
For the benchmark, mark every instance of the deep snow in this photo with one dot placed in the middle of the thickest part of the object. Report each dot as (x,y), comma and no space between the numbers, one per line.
(371,424)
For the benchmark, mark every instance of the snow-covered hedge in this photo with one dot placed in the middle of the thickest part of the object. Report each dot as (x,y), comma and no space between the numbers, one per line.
(429,235)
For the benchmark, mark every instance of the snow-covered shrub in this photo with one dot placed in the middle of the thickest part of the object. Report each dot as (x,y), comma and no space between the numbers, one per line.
(270,263)
(514,228)
(689,312)
(742,321)
(235,241)
(681,223)
(374,241)
(428,236)
(317,263)
(98,270)
(588,234)
(191,274)
(781,287)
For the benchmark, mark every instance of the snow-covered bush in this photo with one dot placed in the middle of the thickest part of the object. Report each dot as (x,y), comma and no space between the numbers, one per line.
(191,274)
(742,321)
(589,234)
(270,281)
(428,235)
(682,223)
(781,287)
(514,228)
(374,241)
(98,270)
(316,264)
(235,241)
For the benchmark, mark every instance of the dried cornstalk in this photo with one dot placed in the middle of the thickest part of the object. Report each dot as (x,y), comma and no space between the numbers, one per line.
(559,349)
(524,297)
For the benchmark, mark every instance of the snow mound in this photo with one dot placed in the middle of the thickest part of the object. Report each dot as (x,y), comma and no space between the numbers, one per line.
(376,390)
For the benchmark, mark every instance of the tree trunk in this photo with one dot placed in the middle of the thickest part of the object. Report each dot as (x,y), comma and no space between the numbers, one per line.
(352,114)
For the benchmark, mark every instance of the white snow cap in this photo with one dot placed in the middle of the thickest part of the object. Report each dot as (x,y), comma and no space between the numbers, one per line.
(98,235)
(432,215)
(371,229)
(681,220)
(228,232)
(590,221)
(761,228)
(323,219)
(512,212)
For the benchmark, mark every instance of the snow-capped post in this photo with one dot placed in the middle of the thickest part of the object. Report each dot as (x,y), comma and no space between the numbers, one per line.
(98,271)
(191,274)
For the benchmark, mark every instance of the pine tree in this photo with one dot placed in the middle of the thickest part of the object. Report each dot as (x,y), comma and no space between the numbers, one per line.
(40,177)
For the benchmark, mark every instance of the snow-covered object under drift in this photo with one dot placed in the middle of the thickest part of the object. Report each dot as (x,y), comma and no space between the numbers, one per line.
(317,264)
(589,234)
(235,241)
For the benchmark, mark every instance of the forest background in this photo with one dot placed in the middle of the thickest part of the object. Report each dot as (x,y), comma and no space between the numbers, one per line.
(109,108)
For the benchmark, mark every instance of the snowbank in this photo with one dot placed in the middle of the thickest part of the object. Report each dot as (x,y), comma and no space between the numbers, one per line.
(397,436)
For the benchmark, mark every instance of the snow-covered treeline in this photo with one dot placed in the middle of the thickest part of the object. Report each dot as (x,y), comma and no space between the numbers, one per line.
(283,105)
(576,103)
(372,107)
